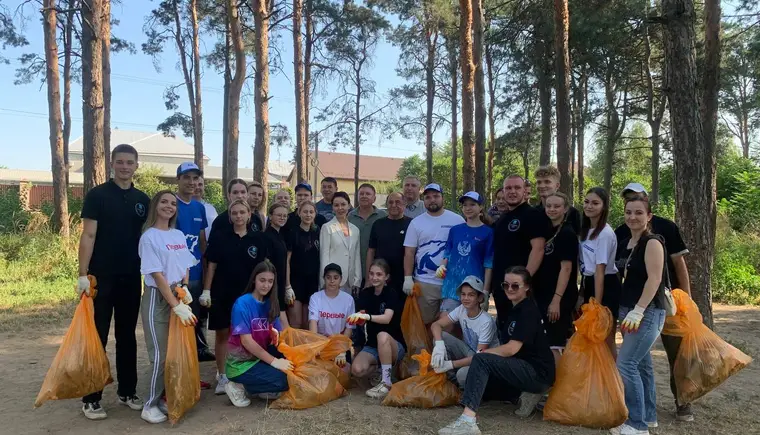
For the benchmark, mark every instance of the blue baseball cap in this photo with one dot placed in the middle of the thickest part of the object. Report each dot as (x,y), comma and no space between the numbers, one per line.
(475,196)
(186,167)
(433,186)
(306,186)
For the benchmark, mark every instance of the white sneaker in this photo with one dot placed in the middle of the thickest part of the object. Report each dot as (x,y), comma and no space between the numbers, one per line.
(135,403)
(652,425)
(460,427)
(94,411)
(625,429)
(236,393)
(379,391)
(153,415)
(528,402)
(221,381)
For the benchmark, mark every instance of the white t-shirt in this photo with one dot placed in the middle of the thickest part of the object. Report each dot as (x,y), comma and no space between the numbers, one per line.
(480,329)
(211,214)
(429,235)
(164,251)
(601,250)
(331,313)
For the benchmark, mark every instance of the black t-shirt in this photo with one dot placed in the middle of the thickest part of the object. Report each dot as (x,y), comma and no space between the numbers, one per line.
(387,239)
(278,255)
(526,325)
(222,223)
(120,214)
(632,261)
(669,231)
(294,221)
(376,305)
(562,247)
(573,217)
(512,236)
(235,259)
(304,259)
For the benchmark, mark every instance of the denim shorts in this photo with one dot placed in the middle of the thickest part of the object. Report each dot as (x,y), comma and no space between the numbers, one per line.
(373,351)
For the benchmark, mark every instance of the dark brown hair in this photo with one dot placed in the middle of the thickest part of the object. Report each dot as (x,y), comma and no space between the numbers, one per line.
(343,195)
(523,273)
(123,148)
(586,224)
(274,304)
(235,181)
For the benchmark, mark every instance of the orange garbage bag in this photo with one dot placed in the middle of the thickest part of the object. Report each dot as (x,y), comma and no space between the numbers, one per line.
(588,390)
(704,360)
(81,366)
(426,390)
(182,379)
(336,344)
(415,334)
(310,384)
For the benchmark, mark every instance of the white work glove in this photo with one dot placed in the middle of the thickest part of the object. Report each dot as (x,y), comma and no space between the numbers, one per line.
(441,272)
(340,360)
(188,298)
(439,354)
(205,299)
(445,367)
(83,286)
(185,314)
(282,364)
(358,318)
(632,320)
(290,295)
(408,285)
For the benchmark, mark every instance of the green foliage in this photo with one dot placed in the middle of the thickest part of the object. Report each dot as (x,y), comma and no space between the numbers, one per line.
(214,195)
(13,217)
(736,272)
(74,203)
(744,204)
(148,179)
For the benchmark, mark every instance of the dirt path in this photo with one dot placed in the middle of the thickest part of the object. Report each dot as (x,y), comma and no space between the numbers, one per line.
(25,357)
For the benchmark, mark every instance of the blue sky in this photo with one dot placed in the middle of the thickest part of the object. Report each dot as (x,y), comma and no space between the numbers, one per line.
(137,102)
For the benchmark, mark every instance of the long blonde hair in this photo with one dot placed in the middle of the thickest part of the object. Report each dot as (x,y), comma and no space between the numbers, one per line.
(153,211)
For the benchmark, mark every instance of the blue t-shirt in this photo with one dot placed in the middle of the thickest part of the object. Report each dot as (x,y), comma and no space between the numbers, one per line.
(470,252)
(249,316)
(191,220)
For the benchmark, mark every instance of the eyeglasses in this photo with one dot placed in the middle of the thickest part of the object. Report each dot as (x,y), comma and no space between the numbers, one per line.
(514,286)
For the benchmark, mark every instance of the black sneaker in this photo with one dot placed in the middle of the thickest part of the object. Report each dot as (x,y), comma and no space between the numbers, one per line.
(205,355)
(683,412)
(94,411)
(134,402)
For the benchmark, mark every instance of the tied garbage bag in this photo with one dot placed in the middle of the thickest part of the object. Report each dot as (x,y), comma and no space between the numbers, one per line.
(415,334)
(704,360)
(336,344)
(426,390)
(81,366)
(182,378)
(588,390)
(310,384)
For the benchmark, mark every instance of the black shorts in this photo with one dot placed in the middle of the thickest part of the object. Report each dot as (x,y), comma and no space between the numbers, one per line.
(560,331)
(304,291)
(220,313)
(611,296)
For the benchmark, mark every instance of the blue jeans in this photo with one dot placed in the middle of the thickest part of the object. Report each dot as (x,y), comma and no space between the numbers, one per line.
(635,365)
(374,352)
(263,378)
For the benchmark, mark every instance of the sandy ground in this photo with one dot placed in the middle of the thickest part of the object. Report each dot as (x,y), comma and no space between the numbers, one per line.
(25,357)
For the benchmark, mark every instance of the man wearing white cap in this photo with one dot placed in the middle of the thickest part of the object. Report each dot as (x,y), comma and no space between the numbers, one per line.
(677,271)
(424,245)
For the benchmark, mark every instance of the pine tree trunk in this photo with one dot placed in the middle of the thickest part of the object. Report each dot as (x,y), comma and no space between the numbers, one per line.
(308,50)
(491,121)
(261,97)
(302,150)
(92,94)
(582,98)
(562,63)
(429,99)
(236,88)
(454,75)
(107,85)
(60,222)
(480,98)
(198,125)
(357,127)
(468,84)
(67,53)
(693,151)
(226,90)
(543,76)
(186,72)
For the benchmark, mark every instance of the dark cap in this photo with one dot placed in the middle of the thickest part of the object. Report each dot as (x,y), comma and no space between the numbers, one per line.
(306,186)
(332,267)
(475,196)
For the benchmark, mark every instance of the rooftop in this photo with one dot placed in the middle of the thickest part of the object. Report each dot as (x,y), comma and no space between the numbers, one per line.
(371,168)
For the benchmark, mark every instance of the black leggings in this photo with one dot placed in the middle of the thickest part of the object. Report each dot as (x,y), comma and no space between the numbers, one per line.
(611,296)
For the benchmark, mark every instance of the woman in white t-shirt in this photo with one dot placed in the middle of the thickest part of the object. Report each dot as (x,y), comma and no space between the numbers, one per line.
(597,256)
(329,310)
(165,261)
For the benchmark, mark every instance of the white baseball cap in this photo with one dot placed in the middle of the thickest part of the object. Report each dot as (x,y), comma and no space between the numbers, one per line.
(635,187)
(474,282)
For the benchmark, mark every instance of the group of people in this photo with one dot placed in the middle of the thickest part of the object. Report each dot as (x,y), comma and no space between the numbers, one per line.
(333,268)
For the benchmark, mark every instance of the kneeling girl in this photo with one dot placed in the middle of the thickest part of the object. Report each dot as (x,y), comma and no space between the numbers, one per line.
(330,309)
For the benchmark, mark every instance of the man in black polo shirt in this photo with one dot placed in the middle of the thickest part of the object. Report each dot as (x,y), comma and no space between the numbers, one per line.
(112,218)
(386,240)
(547,182)
(519,239)
(679,278)
(303,194)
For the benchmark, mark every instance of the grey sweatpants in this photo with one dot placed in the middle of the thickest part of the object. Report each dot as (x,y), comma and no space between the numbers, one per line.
(155,313)
(457,349)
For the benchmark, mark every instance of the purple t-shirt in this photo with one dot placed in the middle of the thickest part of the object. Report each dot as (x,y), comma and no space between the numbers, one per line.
(249,316)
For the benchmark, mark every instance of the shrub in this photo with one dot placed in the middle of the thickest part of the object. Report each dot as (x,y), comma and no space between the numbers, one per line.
(736,270)
(147,179)
(13,217)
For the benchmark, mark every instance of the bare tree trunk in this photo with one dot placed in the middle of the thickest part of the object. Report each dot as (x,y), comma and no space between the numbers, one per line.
(60,220)
(198,126)
(92,94)
(67,53)
(261,96)
(302,150)
(693,136)
(357,127)
(615,125)
(543,75)
(429,97)
(186,73)
(468,84)
(236,88)
(308,50)
(480,97)
(582,98)
(107,85)
(453,72)
(226,90)
(654,115)
(491,120)
(562,63)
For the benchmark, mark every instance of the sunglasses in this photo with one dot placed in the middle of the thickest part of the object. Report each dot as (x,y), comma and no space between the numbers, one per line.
(514,286)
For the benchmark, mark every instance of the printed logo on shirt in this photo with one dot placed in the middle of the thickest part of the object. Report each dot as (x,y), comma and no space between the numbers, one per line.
(253,251)
(177,247)
(549,248)
(511,329)
(192,242)
(464,248)
(140,209)
(382,309)
(402,232)
(514,225)
(326,315)
(197,219)
(316,244)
